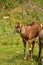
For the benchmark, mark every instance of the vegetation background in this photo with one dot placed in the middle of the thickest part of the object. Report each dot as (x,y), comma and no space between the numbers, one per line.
(11,45)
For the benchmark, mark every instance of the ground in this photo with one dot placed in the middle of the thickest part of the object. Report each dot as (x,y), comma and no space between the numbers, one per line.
(13,55)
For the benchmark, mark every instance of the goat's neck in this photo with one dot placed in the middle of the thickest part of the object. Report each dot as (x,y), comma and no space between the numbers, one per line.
(23,30)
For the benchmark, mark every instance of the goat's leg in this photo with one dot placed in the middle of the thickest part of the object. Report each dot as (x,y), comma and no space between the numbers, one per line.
(30,49)
(33,43)
(39,54)
(24,50)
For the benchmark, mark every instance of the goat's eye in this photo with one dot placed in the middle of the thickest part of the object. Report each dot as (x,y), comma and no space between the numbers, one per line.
(16,26)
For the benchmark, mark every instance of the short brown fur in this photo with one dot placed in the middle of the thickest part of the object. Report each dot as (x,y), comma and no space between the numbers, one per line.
(28,33)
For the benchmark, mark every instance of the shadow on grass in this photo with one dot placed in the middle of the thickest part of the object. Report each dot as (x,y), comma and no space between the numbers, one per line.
(20,58)
(36,59)
(15,58)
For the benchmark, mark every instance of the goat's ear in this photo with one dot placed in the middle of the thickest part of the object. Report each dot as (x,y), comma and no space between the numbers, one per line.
(41,26)
(20,25)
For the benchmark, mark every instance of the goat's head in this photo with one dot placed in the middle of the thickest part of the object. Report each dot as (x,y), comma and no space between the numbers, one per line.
(18,26)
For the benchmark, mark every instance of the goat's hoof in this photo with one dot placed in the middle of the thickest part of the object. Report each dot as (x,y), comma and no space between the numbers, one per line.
(24,58)
(31,59)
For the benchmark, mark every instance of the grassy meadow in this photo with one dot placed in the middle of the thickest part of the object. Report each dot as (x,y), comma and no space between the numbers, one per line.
(11,45)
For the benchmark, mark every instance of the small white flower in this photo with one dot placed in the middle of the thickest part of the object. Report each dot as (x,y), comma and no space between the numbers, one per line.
(17,51)
(13,45)
(42,61)
(29,48)
(32,63)
(5,17)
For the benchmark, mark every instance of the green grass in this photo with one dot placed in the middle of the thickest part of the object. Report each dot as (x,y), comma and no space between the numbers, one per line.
(13,55)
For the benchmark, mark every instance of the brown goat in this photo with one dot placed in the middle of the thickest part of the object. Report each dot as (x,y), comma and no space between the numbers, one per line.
(28,33)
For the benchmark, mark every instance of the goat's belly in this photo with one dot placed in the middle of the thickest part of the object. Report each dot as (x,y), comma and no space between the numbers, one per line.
(42,42)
